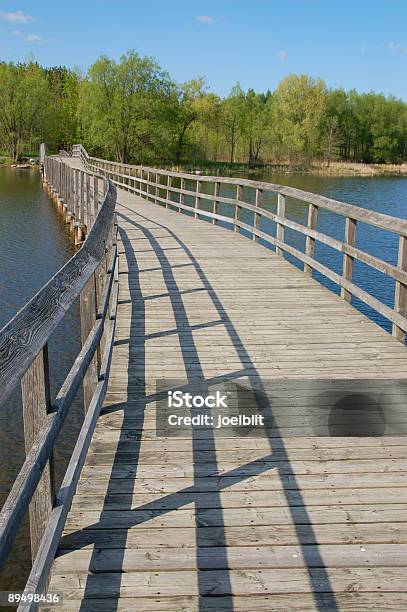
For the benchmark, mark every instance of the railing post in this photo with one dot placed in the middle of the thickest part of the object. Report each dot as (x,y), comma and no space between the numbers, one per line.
(157,188)
(400,293)
(68,195)
(88,307)
(280,227)
(181,195)
(238,209)
(197,198)
(215,201)
(35,391)
(95,195)
(169,185)
(82,201)
(310,242)
(80,222)
(257,216)
(347,266)
(140,178)
(89,217)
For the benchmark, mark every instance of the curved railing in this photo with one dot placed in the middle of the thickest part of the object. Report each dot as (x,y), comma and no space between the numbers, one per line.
(157,185)
(88,204)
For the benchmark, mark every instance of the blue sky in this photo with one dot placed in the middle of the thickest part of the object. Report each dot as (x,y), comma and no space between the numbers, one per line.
(361,44)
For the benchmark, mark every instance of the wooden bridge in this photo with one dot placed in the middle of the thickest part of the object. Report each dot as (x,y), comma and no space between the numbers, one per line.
(299,516)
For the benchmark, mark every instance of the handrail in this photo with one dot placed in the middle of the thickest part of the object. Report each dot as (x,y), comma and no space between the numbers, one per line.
(92,275)
(158,186)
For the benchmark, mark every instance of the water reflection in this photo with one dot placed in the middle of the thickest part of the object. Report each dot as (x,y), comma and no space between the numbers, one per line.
(34,244)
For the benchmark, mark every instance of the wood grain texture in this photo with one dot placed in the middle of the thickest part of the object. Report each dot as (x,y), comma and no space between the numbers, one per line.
(210,522)
(36,402)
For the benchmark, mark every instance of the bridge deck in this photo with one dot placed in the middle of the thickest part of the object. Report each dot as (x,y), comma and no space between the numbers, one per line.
(296,523)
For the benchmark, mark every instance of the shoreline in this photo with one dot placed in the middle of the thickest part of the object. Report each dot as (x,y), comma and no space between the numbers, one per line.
(336,169)
(359,169)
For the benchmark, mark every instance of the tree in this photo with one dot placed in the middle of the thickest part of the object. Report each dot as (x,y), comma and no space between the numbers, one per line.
(186,111)
(233,112)
(299,103)
(64,94)
(331,124)
(119,105)
(255,120)
(24,106)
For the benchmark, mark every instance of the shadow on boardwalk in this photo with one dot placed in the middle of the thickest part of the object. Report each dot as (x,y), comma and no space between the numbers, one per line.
(136,395)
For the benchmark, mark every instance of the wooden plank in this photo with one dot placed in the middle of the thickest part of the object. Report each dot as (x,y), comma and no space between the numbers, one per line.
(242,535)
(238,582)
(345,601)
(88,501)
(232,557)
(187,517)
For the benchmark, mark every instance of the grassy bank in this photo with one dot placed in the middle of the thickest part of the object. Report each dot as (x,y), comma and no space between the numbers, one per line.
(355,169)
(316,169)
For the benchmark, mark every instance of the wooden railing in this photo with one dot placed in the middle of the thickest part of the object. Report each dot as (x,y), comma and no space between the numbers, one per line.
(158,186)
(88,203)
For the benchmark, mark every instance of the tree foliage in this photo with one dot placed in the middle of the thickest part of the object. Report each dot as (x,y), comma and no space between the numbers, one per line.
(132,111)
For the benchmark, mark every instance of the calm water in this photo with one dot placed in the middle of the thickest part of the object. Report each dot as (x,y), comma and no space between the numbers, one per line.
(34,244)
(386,195)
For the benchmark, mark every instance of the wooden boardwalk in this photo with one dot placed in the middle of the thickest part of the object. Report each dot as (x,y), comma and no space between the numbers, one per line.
(288,521)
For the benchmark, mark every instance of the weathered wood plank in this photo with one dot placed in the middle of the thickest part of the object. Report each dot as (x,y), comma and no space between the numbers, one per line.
(36,401)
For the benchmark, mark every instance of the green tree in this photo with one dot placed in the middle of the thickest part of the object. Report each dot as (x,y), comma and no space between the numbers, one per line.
(186,111)
(298,108)
(64,95)
(233,109)
(255,121)
(120,106)
(24,107)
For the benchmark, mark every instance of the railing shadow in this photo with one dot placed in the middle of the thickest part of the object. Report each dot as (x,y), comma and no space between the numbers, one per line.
(136,391)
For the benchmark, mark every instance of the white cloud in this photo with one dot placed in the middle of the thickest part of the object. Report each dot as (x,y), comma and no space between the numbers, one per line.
(16,17)
(205,19)
(396,47)
(31,38)
(282,55)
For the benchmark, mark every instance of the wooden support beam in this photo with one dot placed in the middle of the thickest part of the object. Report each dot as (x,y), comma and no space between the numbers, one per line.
(310,242)
(168,193)
(280,227)
(35,391)
(400,293)
(181,195)
(197,198)
(257,216)
(238,208)
(215,201)
(347,266)
(88,307)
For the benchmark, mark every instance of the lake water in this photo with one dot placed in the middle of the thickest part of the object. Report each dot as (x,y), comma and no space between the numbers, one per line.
(386,195)
(34,244)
